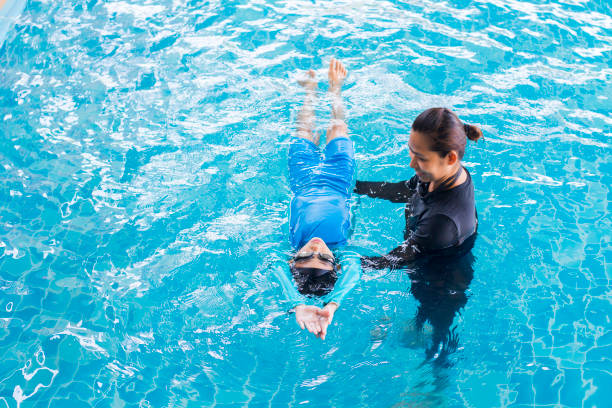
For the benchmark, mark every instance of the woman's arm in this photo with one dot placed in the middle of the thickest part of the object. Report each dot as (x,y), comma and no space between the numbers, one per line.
(434,234)
(406,252)
(394,192)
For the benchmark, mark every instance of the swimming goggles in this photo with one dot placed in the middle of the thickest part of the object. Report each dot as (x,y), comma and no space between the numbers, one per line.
(303,256)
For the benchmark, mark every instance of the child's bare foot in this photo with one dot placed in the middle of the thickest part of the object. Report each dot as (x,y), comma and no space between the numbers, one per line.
(337,74)
(309,83)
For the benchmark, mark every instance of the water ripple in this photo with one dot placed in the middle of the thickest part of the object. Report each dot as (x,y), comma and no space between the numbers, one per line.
(143,152)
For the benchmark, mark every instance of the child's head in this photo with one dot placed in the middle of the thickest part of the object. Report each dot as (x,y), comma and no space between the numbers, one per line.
(314,281)
(314,268)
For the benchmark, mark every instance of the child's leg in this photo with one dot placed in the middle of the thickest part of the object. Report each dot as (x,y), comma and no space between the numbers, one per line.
(304,155)
(338,169)
(304,158)
(337,74)
(339,166)
(306,115)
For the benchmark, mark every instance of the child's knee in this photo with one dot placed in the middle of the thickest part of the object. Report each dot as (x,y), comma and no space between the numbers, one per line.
(337,129)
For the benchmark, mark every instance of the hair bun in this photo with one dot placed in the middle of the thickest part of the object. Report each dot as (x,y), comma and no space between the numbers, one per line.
(472,132)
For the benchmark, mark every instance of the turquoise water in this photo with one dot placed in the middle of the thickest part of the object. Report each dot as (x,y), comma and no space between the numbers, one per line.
(145,190)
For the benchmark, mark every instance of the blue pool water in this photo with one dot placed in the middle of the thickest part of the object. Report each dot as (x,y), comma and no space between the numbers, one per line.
(144,196)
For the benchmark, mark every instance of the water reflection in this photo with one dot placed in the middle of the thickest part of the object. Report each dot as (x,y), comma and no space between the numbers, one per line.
(439,283)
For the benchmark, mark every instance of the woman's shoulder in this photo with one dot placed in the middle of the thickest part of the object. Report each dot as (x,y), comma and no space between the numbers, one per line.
(465,189)
(453,202)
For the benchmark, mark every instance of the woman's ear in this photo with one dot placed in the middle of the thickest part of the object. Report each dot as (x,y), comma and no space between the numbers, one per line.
(452,157)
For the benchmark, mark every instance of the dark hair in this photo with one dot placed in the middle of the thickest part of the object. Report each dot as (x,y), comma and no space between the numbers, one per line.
(445,131)
(314,284)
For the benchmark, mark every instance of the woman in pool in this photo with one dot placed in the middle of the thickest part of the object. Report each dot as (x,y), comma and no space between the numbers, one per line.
(319,213)
(440,210)
(441,223)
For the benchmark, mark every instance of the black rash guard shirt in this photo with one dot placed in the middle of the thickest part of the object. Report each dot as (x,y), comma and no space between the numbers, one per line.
(435,221)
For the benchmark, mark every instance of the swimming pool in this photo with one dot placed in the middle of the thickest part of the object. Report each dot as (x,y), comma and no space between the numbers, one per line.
(145,191)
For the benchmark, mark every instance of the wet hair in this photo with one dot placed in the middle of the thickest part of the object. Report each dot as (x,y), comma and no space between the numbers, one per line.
(314,281)
(445,131)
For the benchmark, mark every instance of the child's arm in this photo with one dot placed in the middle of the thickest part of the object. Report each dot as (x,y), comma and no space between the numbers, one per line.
(291,296)
(350,276)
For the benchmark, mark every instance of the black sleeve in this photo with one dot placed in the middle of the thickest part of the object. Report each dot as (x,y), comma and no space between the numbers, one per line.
(406,252)
(394,192)
(434,234)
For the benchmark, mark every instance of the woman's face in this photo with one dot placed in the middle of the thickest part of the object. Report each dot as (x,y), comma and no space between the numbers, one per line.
(427,164)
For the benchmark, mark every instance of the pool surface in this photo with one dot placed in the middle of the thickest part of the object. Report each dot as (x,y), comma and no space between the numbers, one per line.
(144,195)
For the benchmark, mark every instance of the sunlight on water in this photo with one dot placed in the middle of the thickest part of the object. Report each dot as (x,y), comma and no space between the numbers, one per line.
(143,154)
